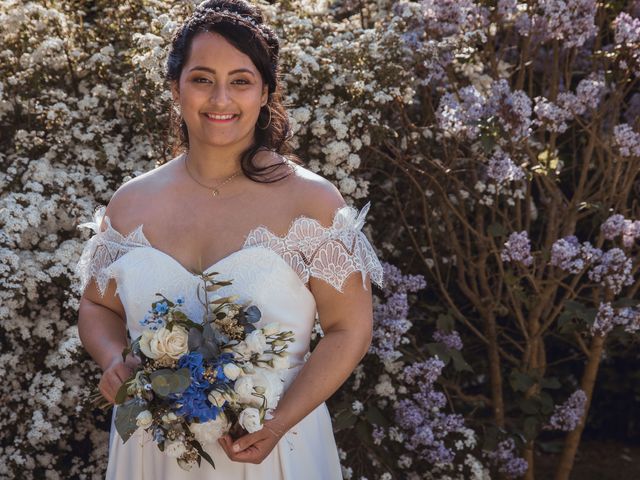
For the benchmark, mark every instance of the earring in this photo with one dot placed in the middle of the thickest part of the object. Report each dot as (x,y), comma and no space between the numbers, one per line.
(268,123)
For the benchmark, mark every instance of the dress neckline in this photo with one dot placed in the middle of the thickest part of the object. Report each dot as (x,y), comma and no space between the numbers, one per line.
(137,237)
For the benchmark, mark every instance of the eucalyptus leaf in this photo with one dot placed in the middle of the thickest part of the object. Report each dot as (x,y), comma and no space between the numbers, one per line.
(122,393)
(440,350)
(344,419)
(375,416)
(126,418)
(203,453)
(459,363)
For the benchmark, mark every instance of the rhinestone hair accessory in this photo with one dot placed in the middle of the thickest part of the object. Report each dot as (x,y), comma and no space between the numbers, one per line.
(209,14)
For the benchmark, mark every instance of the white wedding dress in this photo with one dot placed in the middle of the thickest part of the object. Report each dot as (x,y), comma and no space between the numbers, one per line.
(269,271)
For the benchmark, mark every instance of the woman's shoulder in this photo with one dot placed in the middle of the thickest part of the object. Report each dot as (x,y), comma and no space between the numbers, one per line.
(126,208)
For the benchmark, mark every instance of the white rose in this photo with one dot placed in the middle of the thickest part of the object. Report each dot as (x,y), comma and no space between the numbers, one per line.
(218,398)
(173,342)
(256,342)
(271,383)
(174,449)
(144,419)
(145,345)
(244,388)
(271,328)
(281,362)
(241,351)
(231,371)
(165,342)
(249,419)
(209,432)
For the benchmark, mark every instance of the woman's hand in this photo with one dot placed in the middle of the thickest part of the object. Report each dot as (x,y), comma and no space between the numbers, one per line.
(115,374)
(254,447)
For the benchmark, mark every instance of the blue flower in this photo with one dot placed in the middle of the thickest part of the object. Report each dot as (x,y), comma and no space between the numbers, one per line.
(161,308)
(180,300)
(193,361)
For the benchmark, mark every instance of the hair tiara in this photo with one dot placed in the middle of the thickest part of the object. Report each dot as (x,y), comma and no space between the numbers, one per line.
(202,13)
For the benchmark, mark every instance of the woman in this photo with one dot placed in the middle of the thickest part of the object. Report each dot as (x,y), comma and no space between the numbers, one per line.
(289,242)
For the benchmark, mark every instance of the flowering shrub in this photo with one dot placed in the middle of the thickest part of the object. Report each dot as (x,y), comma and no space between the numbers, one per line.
(503,138)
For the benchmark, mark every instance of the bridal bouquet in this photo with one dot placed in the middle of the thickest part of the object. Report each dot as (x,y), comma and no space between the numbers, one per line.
(198,381)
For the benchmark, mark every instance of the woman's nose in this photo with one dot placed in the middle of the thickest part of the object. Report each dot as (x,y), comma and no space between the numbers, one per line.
(220,94)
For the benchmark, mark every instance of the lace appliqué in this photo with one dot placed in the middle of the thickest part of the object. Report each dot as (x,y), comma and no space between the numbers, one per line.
(104,248)
(329,253)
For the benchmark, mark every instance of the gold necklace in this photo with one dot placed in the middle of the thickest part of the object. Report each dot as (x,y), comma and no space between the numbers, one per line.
(214,190)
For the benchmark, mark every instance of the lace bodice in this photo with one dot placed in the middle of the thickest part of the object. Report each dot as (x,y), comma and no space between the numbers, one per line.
(310,249)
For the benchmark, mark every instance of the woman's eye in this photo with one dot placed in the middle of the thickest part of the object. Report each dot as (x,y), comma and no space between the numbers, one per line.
(244,82)
(199,78)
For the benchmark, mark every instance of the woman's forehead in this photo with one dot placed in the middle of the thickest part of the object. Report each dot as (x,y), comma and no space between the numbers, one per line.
(216,52)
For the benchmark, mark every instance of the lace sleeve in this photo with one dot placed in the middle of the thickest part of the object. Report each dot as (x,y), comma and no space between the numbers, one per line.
(343,249)
(102,249)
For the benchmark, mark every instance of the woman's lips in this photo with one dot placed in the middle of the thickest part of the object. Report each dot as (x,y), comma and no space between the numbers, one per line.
(215,120)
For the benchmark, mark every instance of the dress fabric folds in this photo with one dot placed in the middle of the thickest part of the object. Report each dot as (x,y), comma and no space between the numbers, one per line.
(270,272)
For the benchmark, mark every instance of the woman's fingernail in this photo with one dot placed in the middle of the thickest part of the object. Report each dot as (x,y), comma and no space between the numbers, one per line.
(236,448)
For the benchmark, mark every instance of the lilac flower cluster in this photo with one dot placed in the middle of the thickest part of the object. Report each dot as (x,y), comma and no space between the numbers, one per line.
(390,318)
(451,339)
(553,117)
(513,109)
(501,168)
(420,416)
(589,93)
(627,34)
(566,417)
(571,22)
(570,255)
(463,114)
(517,248)
(450,17)
(505,460)
(627,140)
(608,317)
(618,225)
(613,270)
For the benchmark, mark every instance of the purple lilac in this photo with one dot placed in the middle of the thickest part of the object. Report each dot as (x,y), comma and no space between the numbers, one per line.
(550,115)
(627,140)
(390,317)
(568,254)
(461,116)
(505,459)
(607,318)
(617,225)
(513,108)
(589,93)
(517,249)
(451,339)
(566,417)
(501,168)
(571,22)
(626,29)
(378,434)
(427,371)
(451,17)
(613,270)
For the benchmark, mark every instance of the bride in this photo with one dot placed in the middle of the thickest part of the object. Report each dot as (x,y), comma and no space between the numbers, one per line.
(235,202)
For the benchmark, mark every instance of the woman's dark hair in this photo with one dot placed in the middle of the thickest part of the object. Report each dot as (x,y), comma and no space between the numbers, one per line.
(242,24)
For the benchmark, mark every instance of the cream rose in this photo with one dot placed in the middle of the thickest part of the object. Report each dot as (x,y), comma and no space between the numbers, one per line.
(165,342)
(144,419)
(249,419)
(232,371)
(256,342)
(209,432)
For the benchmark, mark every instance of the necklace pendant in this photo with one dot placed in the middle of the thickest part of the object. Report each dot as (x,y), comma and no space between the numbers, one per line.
(214,192)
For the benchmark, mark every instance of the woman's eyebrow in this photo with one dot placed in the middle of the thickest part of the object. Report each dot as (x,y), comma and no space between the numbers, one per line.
(211,70)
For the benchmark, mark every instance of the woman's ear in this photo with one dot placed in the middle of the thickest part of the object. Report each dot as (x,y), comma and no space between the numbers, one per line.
(265,95)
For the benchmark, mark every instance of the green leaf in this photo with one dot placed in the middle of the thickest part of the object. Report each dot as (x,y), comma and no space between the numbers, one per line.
(375,416)
(530,406)
(546,403)
(445,322)
(203,454)
(165,381)
(496,230)
(459,363)
(440,350)
(122,393)
(126,418)
(521,382)
(531,427)
(344,419)
(551,383)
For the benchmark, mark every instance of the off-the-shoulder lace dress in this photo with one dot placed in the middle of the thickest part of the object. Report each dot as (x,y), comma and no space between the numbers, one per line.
(269,271)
